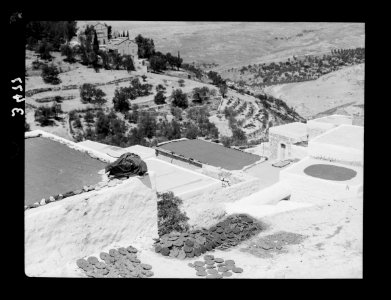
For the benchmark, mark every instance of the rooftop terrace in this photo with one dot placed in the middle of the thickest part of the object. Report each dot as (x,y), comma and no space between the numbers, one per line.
(294,130)
(212,154)
(345,135)
(52,168)
(335,119)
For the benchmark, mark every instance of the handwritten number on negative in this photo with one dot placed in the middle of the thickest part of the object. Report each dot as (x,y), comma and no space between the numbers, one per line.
(16,79)
(17,87)
(18,98)
(19,110)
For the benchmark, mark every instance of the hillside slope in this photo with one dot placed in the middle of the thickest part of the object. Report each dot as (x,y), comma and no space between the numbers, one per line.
(232,44)
(336,89)
(253,116)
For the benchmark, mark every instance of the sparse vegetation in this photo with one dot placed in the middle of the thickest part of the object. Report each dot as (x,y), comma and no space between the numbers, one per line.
(170,217)
(302,69)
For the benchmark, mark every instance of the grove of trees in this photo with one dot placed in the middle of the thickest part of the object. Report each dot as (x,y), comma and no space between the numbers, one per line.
(91,94)
(123,95)
(53,33)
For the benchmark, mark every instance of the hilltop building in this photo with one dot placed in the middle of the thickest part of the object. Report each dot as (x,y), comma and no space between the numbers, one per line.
(121,45)
(124,46)
(102,33)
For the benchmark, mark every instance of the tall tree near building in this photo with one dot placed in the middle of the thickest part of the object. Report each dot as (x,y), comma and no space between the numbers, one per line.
(96,43)
(146,47)
(223,89)
(109,32)
(179,61)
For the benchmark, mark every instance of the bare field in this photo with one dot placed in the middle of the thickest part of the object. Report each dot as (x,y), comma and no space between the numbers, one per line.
(232,44)
(334,92)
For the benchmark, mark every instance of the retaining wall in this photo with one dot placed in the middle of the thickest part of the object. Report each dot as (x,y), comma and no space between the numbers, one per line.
(57,235)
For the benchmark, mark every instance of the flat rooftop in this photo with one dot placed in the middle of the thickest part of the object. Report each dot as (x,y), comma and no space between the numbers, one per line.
(344,135)
(294,130)
(329,171)
(179,180)
(335,119)
(212,154)
(52,168)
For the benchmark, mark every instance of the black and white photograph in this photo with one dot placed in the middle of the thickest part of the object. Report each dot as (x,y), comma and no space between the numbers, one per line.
(192,149)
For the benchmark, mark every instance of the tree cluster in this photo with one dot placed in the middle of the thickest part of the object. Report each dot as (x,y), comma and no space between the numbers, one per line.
(45,115)
(123,95)
(146,47)
(179,99)
(50,74)
(54,33)
(91,94)
(199,119)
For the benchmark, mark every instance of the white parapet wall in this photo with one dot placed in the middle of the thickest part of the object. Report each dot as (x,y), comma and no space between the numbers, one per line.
(206,207)
(348,155)
(58,234)
(344,143)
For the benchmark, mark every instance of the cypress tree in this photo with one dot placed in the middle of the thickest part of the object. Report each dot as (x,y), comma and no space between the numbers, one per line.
(96,43)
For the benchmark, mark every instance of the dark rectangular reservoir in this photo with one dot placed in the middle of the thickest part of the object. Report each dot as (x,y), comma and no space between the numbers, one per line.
(52,168)
(212,154)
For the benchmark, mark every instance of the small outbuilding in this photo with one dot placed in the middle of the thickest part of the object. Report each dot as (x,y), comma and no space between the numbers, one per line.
(281,139)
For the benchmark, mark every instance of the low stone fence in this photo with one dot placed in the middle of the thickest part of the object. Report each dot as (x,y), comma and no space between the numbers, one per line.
(29,93)
(70,87)
(32,92)
(119,80)
(51,99)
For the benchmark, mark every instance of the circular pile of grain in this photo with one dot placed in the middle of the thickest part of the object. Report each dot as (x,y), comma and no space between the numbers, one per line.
(213,267)
(117,263)
(225,234)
